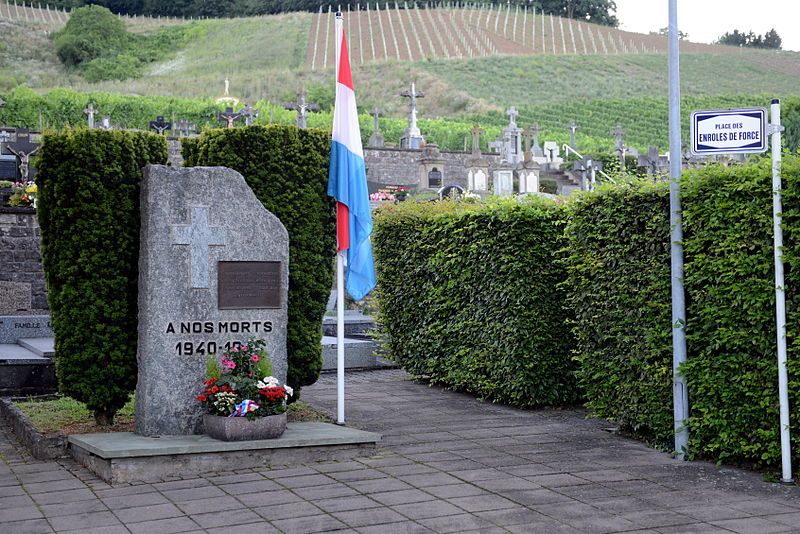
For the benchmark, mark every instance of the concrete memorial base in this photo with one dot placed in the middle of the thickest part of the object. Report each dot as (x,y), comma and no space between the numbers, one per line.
(124,457)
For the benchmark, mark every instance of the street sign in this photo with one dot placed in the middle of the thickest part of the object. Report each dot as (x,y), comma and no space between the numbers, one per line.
(729,131)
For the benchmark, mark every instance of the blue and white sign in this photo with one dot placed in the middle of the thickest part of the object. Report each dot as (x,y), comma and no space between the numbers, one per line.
(729,131)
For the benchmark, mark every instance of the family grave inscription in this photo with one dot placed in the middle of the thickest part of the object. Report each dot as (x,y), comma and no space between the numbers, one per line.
(213,273)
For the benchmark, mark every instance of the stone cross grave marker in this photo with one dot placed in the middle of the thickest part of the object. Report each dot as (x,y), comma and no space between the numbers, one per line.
(249,114)
(213,273)
(184,127)
(619,134)
(533,131)
(512,116)
(376,139)
(160,125)
(476,132)
(8,162)
(412,137)
(572,127)
(229,117)
(302,108)
(23,148)
(90,113)
(4,137)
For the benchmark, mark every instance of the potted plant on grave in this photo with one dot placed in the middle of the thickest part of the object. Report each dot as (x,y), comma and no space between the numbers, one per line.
(23,195)
(401,193)
(242,399)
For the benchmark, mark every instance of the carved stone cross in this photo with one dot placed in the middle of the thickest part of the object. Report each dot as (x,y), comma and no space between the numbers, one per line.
(199,236)
(302,108)
(90,112)
(572,127)
(619,133)
(533,130)
(184,127)
(249,114)
(512,116)
(476,132)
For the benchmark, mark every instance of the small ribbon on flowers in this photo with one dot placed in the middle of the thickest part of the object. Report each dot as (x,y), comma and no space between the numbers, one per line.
(243,408)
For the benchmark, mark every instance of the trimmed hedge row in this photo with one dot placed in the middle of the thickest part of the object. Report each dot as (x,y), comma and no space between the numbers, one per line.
(89,216)
(619,287)
(287,168)
(469,296)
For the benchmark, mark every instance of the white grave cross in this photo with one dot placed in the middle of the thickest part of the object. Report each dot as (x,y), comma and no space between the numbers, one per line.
(199,236)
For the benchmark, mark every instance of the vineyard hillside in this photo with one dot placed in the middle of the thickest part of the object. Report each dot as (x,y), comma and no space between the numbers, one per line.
(472,64)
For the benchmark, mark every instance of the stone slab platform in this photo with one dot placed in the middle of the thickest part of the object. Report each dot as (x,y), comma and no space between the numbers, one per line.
(358,354)
(124,457)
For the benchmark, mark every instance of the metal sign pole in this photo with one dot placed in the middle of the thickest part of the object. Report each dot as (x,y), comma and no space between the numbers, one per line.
(680,397)
(775,130)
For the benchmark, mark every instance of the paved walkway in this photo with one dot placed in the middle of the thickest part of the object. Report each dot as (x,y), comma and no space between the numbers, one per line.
(449,463)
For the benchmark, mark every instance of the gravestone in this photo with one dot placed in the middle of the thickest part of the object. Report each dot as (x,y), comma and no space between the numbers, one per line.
(302,108)
(229,117)
(213,273)
(160,125)
(504,182)
(412,137)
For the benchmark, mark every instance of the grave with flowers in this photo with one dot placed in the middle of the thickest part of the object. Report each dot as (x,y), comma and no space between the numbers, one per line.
(212,392)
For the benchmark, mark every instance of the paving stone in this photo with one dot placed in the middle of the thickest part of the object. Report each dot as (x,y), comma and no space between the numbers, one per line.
(308,524)
(328,491)
(252,486)
(107,529)
(286,511)
(455,490)
(217,504)
(455,523)
(379,484)
(32,526)
(343,504)
(84,521)
(229,518)
(403,527)
(19,513)
(747,525)
(481,503)
(268,498)
(428,509)
(431,479)
(262,527)
(164,526)
(303,481)
(402,497)
(763,507)
(61,497)
(148,513)
(191,494)
(135,500)
(372,516)
(695,528)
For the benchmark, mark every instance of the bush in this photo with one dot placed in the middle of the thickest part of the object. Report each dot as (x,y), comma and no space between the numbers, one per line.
(469,296)
(618,281)
(89,216)
(90,32)
(287,168)
(731,366)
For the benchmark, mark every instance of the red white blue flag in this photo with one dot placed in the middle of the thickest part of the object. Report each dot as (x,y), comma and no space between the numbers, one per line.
(347,181)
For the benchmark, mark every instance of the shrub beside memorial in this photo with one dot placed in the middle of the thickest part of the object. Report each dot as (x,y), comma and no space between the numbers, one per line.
(88,210)
(731,366)
(469,297)
(619,287)
(618,275)
(287,168)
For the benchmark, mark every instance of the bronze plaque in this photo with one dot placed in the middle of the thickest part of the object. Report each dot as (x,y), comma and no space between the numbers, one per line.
(248,284)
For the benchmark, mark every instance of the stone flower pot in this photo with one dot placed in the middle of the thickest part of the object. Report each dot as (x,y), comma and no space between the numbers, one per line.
(242,428)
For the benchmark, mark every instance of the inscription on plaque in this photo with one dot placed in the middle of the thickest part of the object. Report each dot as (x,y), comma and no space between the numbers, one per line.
(248,284)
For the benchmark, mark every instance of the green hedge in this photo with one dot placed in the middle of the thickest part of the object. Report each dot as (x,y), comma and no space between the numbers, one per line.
(89,216)
(619,289)
(619,284)
(287,168)
(731,366)
(469,296)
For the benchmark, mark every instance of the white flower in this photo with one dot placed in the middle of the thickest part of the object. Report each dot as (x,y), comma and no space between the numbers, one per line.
(268,382)
(289,391)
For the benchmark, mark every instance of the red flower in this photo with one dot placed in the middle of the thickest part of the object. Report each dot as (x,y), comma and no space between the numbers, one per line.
(214,389)
(202,398)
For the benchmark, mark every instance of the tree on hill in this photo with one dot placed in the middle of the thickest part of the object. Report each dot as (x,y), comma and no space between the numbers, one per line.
(770,40)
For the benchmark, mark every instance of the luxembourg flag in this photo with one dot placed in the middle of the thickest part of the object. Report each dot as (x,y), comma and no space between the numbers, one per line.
(347,179)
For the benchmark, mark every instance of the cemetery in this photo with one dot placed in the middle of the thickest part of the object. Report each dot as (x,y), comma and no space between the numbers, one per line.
(515,358)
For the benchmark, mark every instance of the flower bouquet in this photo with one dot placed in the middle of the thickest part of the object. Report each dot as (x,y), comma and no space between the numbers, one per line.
(241,397)
(23,195)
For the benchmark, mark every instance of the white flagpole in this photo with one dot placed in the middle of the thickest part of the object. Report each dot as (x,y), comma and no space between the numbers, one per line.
(339,278)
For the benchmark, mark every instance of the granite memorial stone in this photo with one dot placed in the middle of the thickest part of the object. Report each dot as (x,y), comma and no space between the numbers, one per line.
(213,273)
